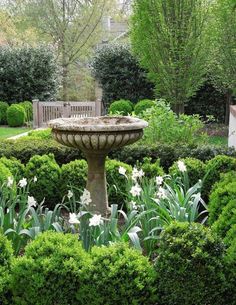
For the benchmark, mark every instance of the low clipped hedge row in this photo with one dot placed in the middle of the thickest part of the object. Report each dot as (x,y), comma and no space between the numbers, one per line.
(73,175)
(192,267)
(24,149)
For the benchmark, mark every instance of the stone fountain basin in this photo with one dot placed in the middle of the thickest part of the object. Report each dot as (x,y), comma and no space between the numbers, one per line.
(97,134)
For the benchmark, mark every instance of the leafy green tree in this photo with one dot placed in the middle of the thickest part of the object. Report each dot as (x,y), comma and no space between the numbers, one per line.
(224,68)
(72,26)
(170,37)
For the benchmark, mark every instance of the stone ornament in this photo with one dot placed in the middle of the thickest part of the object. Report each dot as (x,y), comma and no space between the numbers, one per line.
(96,137)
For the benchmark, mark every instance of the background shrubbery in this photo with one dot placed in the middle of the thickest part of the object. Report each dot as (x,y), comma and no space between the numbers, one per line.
(120,75)
(34,70)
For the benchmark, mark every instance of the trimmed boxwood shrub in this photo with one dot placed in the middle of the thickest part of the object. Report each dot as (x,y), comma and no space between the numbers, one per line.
(230,236)
(151,169)
(216,166)
(24,149)
(6,256)
(117,183)
(4,173)
(118,275)
(122,107)
(3,113)
(48,174)
(15,115)
(222,193)
(74,176)
(226,219)
(50,272)
(195,169)
(16,168)
(189,266)
(230,269)
(142,106)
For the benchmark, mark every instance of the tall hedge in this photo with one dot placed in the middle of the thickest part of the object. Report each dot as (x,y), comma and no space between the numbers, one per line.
(27,73)
(120,74)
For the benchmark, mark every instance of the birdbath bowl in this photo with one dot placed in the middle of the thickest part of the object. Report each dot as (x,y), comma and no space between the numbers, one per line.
(96,137)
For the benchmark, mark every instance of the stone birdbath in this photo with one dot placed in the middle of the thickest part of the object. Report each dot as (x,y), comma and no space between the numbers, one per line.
(96,137)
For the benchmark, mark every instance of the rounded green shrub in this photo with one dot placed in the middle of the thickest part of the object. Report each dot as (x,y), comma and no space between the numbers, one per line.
(118,275)
(226,219)
(6,256)
(116,182)
(151,169)
(74,176)
(230,271)
(50,271)
(4,173)
(222,194)
(195,169)
(15,115)
(143,105)
(122,107)
(28,107)
(214,167)
(231,235)
(48,174)
(3,113)
(16,168)
(189,266)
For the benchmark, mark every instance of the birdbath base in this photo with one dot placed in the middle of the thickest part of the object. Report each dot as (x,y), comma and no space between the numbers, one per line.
(96,183)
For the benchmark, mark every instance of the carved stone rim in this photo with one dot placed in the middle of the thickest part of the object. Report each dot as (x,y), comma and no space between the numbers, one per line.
(98,124)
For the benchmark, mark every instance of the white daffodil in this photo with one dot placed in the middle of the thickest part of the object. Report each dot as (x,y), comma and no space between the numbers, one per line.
(70,194)
(10,181)
(23,182)
(96,220)
(137,174)
(133,205)
(85,199)
(181,166)
(135,190)
(161,193)
(31,202)
(35,179)
(159,180)
(122,171)
(73,219)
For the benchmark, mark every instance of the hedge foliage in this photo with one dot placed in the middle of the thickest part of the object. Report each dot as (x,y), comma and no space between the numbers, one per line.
(50,271)
(35,74)
(6,256)
(122,107)
(142,106)
(16,115)
(222,193)
(48,174)
(214,168)
(118,275)
(3,113)
(16,168)
(23,149)
(120,75)
(195,168)
(189,266)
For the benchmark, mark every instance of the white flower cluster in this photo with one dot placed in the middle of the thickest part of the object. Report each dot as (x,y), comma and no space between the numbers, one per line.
(85,199)
(181,166)
(137,174)
(135,190)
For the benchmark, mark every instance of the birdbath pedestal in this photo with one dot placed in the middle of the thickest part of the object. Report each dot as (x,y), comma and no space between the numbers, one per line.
(96,137)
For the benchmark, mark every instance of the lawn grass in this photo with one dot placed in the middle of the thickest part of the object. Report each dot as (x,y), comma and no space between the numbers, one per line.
(218,140)
(7,132)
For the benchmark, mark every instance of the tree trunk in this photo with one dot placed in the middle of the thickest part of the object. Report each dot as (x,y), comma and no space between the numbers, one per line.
(178,108)
(227,106)
(65,82)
